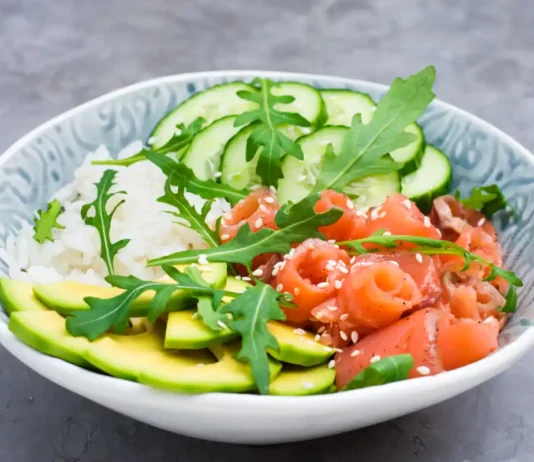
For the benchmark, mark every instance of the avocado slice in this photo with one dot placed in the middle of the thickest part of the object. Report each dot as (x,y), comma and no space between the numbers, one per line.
(18,296)
(227,375)
(68,296)
(301,381)
(45,331)
(184,331)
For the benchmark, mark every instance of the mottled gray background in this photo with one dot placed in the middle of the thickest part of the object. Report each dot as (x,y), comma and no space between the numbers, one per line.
(56,54)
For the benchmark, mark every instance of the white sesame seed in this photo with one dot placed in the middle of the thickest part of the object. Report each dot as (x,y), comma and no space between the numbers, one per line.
(350,204)
(217,174)
(332,364)
(296,290)
(343,335)
(321,329)
(481,222)
(426,222)
(230,316)
(279,287)
(332,307)
(152,140)
(224,237)
(407,203)
(488,320)
(322,285)
(311,246)
(272,188)
(387,233)
(355,353)
(354,336)
(275,270)
(317,337)
(246,278)
(382,215)
(338,350)
(291,253)
(258,272)
(344,270)
(344,317)
(423,370)
(238,277)
(302,178)
(439,233)
(221,324)
(331,241)
(352,260)
(263,208)
(394,263)
(299,331)
(200,364)
(203,259)
(269,200)
(307,385)
(338,284)
(419,257)
(375,358)
(258,223)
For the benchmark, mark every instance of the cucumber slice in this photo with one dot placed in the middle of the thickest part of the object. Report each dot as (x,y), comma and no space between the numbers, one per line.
(239,173)
(236,171)
(300,176)
(341,105)
(211,104)
(204,154)
(373,190)
(430,180)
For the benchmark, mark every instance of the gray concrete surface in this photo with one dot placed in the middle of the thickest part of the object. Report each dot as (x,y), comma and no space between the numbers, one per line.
(55,54)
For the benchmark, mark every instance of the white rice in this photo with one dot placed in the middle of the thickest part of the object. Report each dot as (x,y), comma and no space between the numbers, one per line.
(75,252)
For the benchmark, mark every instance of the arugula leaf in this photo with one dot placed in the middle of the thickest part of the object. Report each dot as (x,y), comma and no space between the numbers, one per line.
(102,219)
(511,301)
(486,199)
(105,314)
(179,141)
(195,220)
(207,189)
(46,220)
(250,313)
(364,147)
(387,370)
(209,315)
(295,222)
(266,134)
(430,246)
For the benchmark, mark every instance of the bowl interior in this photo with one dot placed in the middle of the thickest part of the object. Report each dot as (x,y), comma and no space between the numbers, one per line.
(45,160)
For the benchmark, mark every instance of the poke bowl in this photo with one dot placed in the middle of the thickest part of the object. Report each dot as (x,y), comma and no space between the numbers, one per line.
(264,257)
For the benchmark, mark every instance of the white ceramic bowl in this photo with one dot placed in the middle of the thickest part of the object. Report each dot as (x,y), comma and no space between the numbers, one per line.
(45,159)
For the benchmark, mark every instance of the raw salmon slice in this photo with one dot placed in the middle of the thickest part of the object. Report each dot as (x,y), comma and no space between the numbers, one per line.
(311,273)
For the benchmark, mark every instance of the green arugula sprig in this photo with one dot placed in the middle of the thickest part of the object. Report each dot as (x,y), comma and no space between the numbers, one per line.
(46,220)
(387,370)
(194,220)
(179,141)
(486,199)
(430,246)
(207,189)
(250,313)
(295,222)
(101,220)
(365,147)
(108,313)
(266,133)
(511,301)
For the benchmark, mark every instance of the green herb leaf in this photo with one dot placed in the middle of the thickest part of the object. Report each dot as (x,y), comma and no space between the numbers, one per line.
(266,134)
(194,220)
(364,147)
(179,173)
(295,222)
(387,370)
(429,246)
(180,140)
(105,314)
(486,199)
(46,221)
(102,219)
(250,313)
(209,315)
(511,301)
